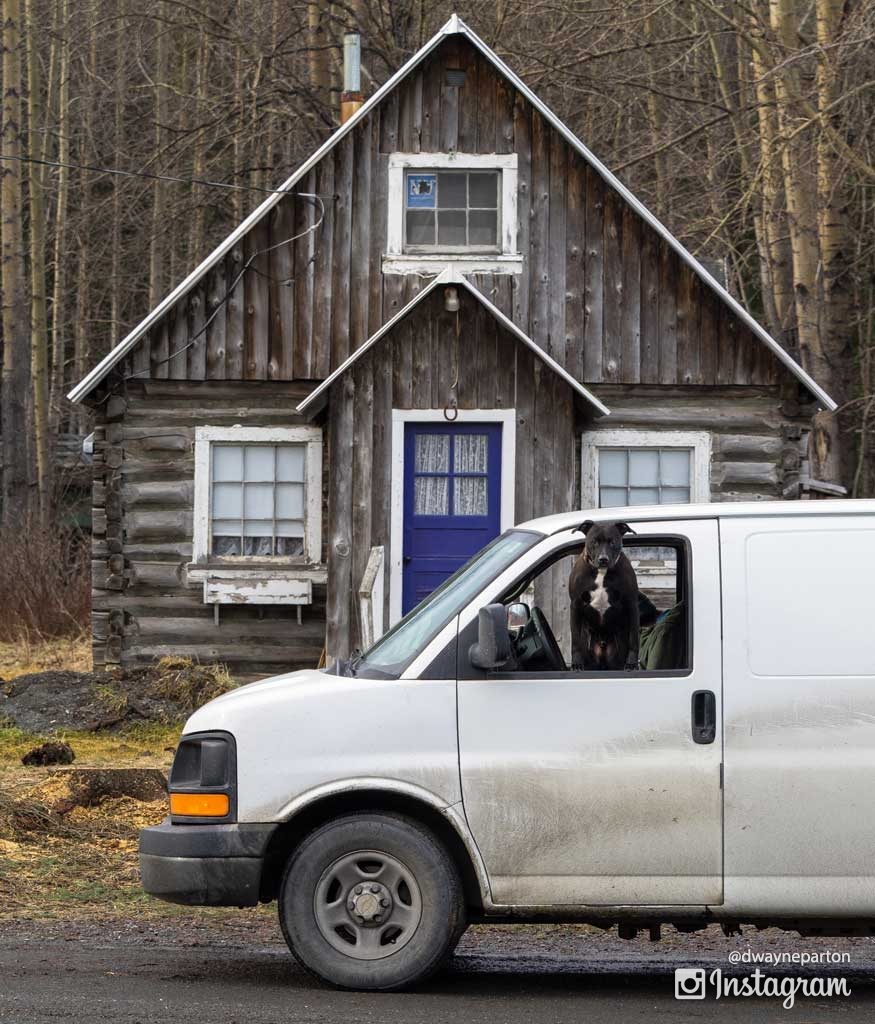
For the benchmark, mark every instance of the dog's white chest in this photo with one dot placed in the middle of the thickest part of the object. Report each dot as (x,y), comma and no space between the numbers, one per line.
(598,598)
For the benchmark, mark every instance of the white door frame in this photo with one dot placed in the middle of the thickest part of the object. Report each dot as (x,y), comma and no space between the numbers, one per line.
(400,417)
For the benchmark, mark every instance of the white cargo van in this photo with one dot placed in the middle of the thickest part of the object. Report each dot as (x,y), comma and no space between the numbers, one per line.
(460,771)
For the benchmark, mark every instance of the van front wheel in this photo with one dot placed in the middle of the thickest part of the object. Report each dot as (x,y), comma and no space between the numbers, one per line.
(371,901)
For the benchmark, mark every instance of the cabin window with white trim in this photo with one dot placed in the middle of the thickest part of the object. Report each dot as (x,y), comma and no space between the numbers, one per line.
(630,467)
(452,208)
(452,211)
(258,494)
(258,500)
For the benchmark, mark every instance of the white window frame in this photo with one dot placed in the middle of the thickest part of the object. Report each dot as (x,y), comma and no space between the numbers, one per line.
(401,417)
(507,260)
(205,437)
(697,441)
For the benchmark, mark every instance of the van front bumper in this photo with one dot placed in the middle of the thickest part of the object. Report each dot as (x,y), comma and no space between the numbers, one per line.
(204,865)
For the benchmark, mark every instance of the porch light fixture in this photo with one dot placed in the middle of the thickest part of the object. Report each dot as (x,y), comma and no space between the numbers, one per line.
(451,300)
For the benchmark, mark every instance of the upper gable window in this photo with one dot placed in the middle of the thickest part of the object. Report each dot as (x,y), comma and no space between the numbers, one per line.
(452,208)
(451,211)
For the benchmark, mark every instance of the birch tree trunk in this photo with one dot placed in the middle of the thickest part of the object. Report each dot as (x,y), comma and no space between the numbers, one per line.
(39,365)
(771,222)
(59,251)
(837,313)
(156,235)
(799,185)
(15,313)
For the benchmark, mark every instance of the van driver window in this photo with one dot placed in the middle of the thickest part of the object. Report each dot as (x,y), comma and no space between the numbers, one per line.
(620,603)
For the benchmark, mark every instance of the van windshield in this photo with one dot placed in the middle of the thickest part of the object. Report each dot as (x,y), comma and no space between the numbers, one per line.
(392,653)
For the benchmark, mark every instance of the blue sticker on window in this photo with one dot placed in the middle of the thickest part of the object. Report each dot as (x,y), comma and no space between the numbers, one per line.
(421,191)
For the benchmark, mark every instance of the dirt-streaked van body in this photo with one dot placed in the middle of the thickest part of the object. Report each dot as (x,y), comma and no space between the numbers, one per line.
(546,794)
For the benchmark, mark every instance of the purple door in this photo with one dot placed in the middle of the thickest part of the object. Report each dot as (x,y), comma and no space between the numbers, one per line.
(452,501)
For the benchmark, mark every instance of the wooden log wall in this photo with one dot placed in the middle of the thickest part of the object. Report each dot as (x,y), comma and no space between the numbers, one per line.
(143,606)
(599,289)
(755,435)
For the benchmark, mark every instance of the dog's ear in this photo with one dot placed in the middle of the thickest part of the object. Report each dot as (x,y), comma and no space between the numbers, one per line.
(624,528)
(583,527)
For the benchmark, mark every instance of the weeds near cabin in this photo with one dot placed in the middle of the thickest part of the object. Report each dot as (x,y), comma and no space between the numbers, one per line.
(190,684)
(45,583)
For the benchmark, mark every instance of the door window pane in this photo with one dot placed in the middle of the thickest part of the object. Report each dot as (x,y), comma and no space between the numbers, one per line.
(431,496)
(471,453)
(471,496)
(432,453)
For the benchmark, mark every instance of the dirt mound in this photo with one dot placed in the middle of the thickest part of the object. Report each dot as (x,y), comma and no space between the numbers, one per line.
(69,800)
(47,702)
(49,753)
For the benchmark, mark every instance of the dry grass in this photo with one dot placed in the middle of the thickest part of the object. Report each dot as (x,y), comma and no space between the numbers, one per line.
(30,653)
(79,864)
(142,745)
(45,580)
(60,863)
(189,684)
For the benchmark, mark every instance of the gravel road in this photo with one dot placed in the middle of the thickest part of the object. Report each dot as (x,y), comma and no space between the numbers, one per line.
(230,971)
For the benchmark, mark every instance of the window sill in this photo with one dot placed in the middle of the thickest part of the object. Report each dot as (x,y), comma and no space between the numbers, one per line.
(267,585)
(198,572)
(434,263)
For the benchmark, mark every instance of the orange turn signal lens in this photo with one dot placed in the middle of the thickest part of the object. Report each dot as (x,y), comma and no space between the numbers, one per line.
(200,805)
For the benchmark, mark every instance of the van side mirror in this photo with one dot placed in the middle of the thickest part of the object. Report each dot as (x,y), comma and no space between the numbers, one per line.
(492,649)
(518,617)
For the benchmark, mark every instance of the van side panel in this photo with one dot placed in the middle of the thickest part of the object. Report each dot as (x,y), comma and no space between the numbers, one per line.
(799,715)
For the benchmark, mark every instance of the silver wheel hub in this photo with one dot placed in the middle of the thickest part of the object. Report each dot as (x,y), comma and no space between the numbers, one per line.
(367,904)
(372,902)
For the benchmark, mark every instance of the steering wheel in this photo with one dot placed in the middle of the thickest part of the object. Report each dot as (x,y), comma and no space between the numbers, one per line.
(549,648)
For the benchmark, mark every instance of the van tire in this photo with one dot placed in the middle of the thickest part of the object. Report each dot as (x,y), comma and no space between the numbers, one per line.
(423,892)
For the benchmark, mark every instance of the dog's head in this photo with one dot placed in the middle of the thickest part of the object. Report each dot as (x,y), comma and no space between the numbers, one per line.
(604,542)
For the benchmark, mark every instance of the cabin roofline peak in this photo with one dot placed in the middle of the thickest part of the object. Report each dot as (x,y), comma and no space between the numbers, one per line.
(454,26)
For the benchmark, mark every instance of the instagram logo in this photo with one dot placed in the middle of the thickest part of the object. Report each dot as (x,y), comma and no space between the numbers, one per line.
(689,983)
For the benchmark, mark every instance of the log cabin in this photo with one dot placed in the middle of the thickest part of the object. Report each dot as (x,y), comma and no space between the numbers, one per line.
(451,318)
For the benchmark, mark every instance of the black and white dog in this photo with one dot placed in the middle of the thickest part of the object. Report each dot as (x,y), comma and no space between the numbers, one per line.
(605,616)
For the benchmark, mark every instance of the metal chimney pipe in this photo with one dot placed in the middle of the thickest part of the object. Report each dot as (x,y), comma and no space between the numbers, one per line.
(351,98)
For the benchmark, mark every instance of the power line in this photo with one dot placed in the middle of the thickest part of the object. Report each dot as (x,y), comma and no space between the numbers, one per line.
(148,175)
(313,197)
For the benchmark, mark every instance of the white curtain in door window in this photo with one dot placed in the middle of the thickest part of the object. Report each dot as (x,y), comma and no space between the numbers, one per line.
(472,453)
(471,456)
(471,496)
(431,494)
(432,453)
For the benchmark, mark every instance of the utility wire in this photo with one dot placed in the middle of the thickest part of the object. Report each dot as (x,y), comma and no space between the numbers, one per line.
(258,252)
(150,176)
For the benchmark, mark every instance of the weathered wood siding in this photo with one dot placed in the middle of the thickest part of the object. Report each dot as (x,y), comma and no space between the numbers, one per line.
(143,606)
(599,289)
(412,368)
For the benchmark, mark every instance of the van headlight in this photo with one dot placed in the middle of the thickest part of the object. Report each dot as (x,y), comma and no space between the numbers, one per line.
(203,779)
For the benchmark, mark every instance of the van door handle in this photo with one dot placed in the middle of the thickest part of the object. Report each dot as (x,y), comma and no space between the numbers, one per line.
(704,715)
